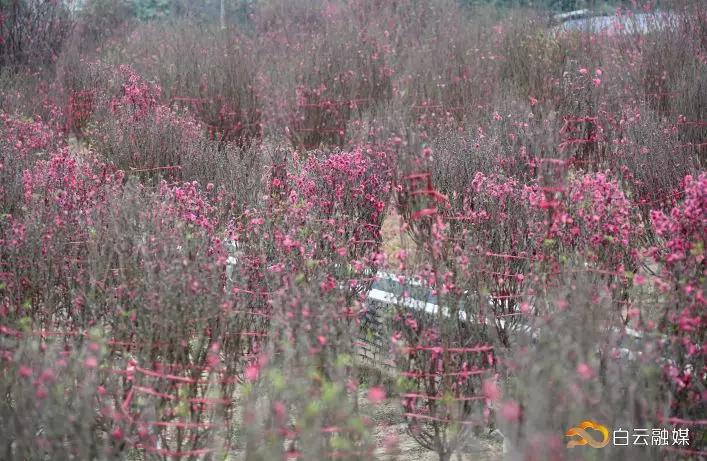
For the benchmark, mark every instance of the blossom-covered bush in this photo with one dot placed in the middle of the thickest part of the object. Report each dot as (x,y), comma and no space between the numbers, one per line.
(681,255)
(22,142)
(347,230)
(144,137)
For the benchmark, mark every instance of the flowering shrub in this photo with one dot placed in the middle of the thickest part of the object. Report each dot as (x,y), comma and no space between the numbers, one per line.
(140,135)
(195,236)
(136,96)
(107,291)
(592,211)
(579,355)
(63,198)
(682,258)
(346,188)
(22,143)
(210,73)
(46,379)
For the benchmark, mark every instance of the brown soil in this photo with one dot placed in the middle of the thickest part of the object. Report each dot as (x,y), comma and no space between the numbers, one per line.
(394,238)
(388,420)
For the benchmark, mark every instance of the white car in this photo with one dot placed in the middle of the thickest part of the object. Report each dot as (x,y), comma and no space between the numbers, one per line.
(639,23)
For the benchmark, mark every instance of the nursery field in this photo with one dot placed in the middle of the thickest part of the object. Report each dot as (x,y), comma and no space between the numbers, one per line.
(352,230)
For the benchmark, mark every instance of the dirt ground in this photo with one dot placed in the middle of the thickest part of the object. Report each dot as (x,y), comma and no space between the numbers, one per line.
(393,239)
(388,421)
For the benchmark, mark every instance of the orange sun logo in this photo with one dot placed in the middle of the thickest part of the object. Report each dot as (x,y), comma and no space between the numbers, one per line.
(585,437)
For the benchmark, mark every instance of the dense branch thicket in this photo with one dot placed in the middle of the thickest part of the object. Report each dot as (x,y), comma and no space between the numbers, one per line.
(339,229)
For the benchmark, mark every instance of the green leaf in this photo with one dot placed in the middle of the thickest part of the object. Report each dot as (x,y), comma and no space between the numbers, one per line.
(330,392)
(25,324)
(277,380)
(340,443)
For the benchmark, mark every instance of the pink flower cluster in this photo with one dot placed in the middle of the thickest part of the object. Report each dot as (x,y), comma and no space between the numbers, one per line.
(685,228)
(591,213)
(682,255)
(27,136)
(359,178)
(191,203)
(137,96)
(64,190)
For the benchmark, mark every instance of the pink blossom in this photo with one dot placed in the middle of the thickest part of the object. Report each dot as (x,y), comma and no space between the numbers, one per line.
(376,394)
(280,411)
(117,434)
(251,372)
(510,411)
(584,371)
(491,390)
(41,392)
